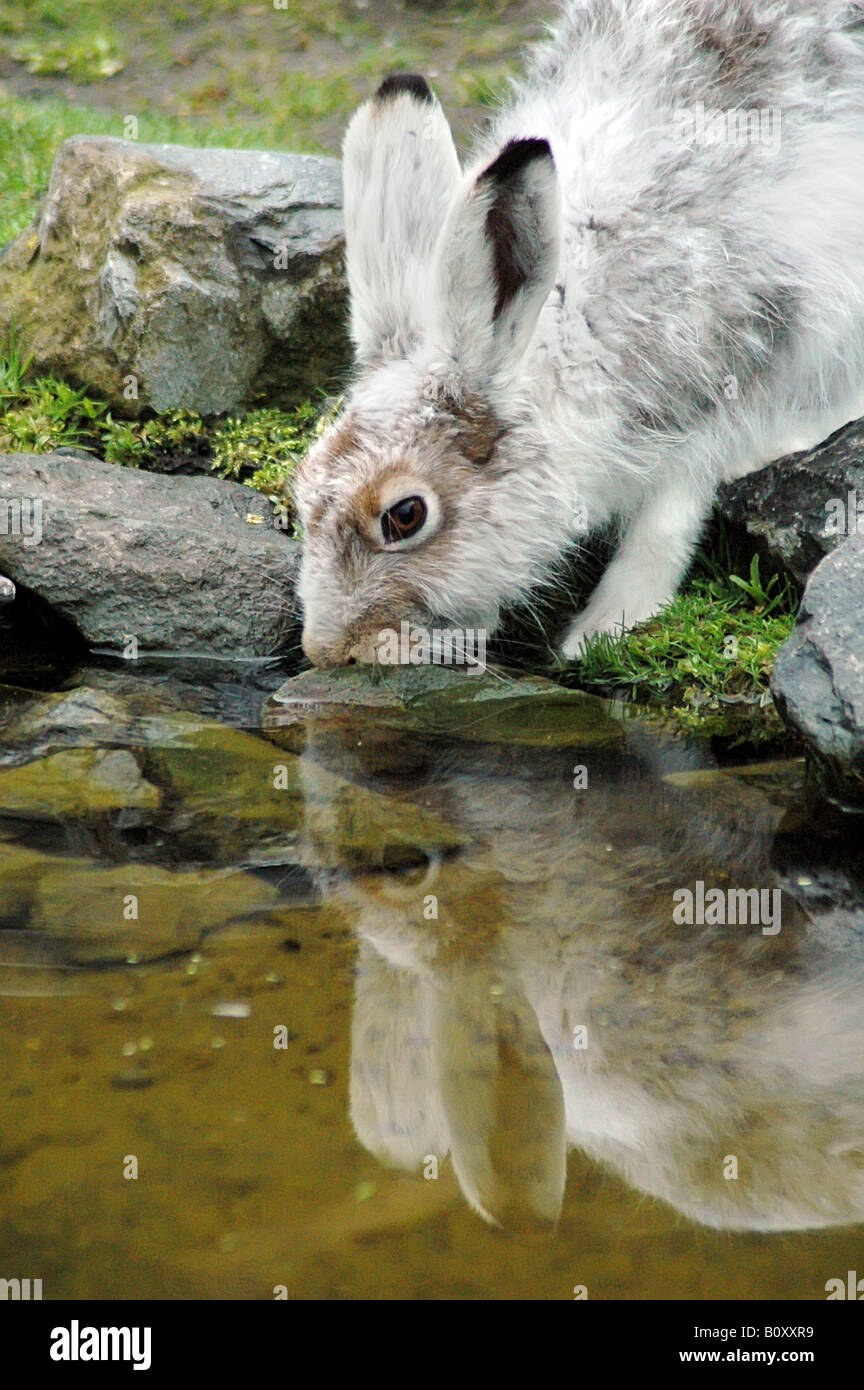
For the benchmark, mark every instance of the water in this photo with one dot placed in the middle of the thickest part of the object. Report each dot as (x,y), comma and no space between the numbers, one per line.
(393,1003)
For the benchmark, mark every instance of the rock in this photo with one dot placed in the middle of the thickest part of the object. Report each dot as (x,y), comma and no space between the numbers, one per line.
(445,700)
(86,909)
(206,279)
(798,509)
(87,912)
(76,782)
(818,678)
(213,793)
(238,795)
(170,562)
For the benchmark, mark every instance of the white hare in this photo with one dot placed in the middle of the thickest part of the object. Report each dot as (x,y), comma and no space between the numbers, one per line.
(649,280)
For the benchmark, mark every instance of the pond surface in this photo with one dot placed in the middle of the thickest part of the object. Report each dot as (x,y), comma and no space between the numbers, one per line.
(410,1000)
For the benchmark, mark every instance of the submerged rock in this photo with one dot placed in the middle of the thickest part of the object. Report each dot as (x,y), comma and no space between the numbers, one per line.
(801,507)
(76,782)
(88,909)
(169,277)
(818,678)
(157,562)
(485,707)
(80,911)
(218,794)
(242,797)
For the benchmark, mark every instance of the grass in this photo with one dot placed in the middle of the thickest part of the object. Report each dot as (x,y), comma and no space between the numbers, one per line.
(229,72)
(260,448)
(707,658)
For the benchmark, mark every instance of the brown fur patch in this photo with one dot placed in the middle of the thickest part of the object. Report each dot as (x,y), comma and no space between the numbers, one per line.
(403,601)
(478,428)
(733,35)
(366,502)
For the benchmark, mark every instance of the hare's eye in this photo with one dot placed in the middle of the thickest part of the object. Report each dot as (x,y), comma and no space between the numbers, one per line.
(403,519)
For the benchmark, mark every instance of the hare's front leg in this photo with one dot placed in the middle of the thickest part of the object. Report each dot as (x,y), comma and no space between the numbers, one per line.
(647,568)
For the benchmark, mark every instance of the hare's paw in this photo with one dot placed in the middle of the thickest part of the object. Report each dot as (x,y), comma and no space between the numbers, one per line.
(594,622)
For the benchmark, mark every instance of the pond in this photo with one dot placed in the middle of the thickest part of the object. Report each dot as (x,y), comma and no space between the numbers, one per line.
(486,992)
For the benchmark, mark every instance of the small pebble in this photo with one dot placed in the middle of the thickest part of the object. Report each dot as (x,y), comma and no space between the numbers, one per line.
(129,1049)
(217,1042)
(132,1080)
(231,1009)
(318,1078)
(118,1005)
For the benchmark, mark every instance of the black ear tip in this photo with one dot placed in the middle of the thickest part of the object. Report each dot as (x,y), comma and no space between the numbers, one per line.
(405,84)
(516,156)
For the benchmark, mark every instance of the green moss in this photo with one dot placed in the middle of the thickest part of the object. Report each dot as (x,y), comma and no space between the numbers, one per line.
(706,659)
(264,447)
(263,440)
(87,59)
(157,441)
(43,414)
(260,448)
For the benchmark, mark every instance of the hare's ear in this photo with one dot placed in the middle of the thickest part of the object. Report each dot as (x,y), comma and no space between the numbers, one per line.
(498,257)
(400,171)
(503,1101)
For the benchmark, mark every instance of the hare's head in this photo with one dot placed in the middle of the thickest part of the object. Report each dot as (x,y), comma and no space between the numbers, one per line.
(415,504)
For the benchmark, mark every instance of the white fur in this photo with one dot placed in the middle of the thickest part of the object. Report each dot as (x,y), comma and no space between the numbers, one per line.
(691,312)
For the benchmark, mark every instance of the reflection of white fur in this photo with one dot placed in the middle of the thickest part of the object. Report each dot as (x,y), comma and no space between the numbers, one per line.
(701,1042)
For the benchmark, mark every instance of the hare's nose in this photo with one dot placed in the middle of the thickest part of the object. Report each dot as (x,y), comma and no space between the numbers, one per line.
(325,654)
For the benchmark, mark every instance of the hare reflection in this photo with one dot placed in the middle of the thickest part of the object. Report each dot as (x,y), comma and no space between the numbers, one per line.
(553,1002)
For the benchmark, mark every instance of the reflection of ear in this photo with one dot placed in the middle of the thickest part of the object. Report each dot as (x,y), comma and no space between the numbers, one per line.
(395,1104)
(502,1099)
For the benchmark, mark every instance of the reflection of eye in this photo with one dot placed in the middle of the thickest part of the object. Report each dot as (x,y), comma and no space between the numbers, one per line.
(403,519)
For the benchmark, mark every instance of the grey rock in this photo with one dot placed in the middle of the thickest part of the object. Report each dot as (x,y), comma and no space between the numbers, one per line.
(204,279)
(801,507)
(489,706)
(170,562)
(818,678)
